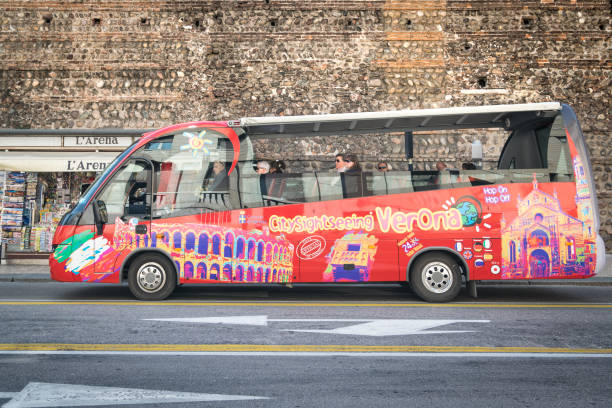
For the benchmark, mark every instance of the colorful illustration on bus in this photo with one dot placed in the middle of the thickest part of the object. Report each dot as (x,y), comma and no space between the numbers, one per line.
(351,258)
(543,241)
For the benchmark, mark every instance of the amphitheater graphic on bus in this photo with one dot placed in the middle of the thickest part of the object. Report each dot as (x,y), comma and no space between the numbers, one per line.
(215,253)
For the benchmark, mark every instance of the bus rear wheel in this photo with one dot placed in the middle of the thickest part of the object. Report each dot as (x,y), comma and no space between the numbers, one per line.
(151,277)
(435,277)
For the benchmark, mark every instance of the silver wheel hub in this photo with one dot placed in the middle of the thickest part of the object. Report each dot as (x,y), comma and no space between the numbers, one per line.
(151,277)
(437,277)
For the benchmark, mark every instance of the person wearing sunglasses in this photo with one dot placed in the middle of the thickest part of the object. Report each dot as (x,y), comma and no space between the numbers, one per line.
(383,166)
(352,182)
(341,163)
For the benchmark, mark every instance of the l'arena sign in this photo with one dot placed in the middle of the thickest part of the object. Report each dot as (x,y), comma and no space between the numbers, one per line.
(85,165)
(97,141)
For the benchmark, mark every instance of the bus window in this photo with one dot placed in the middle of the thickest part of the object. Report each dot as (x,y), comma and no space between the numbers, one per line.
(186,173)
(297,188)
(127,194)
(467,178)
(399,182)
(250,187)
(558,156)
(376,183)
(329,185)
(278,189)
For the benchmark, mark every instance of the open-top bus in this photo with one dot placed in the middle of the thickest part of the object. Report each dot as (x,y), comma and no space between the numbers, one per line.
(158,217)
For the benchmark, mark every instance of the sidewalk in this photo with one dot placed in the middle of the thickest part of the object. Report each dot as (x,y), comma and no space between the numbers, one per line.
(39,273)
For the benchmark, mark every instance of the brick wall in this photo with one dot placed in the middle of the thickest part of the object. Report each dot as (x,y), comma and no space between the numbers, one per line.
(146,64)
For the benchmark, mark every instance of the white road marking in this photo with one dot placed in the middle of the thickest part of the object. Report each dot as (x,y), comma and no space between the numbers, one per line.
(379,328)
(40,395)
(257,320)
(370,327)
(5,395)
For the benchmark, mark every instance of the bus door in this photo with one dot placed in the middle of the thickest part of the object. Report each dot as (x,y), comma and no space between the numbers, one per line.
(127,202)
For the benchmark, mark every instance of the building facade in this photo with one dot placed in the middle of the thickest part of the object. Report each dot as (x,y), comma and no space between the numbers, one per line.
(131,65)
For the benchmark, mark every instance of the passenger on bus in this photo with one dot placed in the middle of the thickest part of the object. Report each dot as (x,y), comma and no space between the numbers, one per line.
(441,166)
(352,185)
(221,181)
(471,179)
(277,166)
(353,165)
(341,163)
(383,166)
(271,183)
(436,179)
(262,167)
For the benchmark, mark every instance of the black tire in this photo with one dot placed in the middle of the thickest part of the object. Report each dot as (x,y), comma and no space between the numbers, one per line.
(151,277)
(435,277)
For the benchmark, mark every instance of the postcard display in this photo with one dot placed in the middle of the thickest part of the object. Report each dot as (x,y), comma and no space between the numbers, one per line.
(31,207)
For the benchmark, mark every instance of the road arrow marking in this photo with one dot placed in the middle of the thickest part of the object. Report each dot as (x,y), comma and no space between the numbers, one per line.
(41,395)
(248,320)
(368,327)
(379,328)
(258,320)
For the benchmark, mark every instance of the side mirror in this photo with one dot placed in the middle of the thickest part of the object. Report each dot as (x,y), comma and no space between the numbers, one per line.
(100,214)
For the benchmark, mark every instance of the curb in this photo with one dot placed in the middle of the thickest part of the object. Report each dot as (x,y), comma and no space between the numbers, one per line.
(26,277)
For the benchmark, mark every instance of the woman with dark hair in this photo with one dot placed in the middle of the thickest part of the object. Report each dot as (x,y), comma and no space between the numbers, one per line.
(277,166)
(353,165)
(352,183)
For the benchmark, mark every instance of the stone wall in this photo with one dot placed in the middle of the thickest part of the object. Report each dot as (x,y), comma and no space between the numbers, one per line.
(146,64)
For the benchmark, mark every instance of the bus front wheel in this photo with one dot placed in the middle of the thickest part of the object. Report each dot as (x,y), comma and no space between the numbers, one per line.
(151,277)
(435,277)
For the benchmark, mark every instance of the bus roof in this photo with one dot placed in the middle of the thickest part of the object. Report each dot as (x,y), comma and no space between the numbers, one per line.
(489,116)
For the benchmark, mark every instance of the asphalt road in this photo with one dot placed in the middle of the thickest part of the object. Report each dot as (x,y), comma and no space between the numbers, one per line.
(310,346)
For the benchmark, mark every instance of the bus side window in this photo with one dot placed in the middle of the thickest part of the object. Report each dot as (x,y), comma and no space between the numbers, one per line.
(399,182)
(558,156)
(376,183)
(294,190)
(250,190)
(329,186)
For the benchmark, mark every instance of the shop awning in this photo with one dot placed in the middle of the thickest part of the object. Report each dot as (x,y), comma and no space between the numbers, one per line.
(55,161)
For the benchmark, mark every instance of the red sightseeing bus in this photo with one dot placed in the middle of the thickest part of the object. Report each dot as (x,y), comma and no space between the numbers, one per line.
(184,204)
